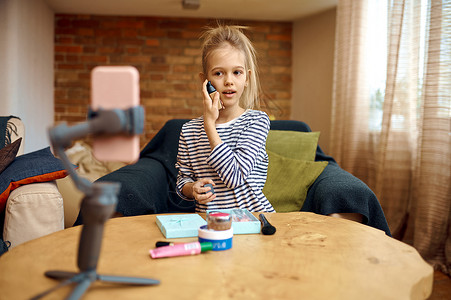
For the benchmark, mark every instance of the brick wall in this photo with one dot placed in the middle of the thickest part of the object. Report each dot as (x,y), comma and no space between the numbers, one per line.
(166,51)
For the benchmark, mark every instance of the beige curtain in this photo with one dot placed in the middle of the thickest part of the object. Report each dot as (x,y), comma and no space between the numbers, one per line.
(406,161)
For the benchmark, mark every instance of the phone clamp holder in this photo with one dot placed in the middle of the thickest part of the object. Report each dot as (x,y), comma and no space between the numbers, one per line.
(100,199)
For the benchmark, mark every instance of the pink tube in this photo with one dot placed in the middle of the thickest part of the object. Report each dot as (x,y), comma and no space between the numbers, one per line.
(180,249)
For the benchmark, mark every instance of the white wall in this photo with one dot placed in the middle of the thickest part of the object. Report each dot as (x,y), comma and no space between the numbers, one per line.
(313,62)
(26,67)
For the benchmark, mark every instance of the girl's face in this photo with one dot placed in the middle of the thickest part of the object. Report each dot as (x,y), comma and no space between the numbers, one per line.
(227,72)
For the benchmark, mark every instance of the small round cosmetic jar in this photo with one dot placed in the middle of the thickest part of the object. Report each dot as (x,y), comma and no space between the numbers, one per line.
(221,239)
(219,221)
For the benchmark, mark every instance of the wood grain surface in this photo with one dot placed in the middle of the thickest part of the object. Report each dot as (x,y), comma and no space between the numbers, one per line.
(309,257)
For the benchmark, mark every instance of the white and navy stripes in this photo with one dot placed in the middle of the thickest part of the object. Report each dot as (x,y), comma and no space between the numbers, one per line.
(238,166)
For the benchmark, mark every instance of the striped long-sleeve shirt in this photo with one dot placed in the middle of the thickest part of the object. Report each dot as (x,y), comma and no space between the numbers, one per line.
(238,165)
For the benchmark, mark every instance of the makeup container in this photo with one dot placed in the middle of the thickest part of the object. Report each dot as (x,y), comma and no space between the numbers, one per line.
(211,91)
(219,221)
(220,239)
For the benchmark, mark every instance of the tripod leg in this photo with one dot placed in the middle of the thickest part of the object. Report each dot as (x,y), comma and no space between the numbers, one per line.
(70,278)
(60,274)
(80,289)
(128,280)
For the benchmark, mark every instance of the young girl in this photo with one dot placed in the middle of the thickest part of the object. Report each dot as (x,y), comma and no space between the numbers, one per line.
(226,147)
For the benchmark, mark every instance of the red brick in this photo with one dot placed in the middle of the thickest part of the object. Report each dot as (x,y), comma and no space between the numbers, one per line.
(182,94)
(192,52)
(153,32)
(171,24)
(191,34)
(72,58)
(183,77)
(94,58)
(64,40)
(160,94)
(86,40)
(146,94)
(60,93)
(85,75)
(130,41)
(102,32)
(184,60)
(89,49)
(130,24)
(62,23)
(175,35)
(159,102)
(108,41)
(85,23)
(279,37)
(108,50)
(68,49)
(174,43)
(60,58)
(133,50)
(85,31)
(136,59)
(179,68)
(158,60)
(65,31)
(129,33)
(280,53)
(157,77)
(159,68)
(71,66)
(153,42)
(179,111)
(262,28)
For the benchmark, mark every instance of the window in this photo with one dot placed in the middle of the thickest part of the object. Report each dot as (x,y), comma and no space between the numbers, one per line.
(376,60)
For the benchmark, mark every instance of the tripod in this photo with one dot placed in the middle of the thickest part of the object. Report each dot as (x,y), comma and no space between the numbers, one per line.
(97,206)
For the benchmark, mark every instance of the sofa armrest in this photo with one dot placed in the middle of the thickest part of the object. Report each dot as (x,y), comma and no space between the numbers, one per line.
(338,191)
(32,211)
(143,188)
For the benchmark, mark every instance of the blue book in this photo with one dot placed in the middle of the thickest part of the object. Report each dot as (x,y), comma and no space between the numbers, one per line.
(179,226)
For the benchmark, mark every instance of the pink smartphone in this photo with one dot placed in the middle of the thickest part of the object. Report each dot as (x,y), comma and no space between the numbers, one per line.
(115,87)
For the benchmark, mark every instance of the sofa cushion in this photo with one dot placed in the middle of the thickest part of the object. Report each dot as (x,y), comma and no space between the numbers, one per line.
(8,154)
(37,166)
(288,181)
(293,144)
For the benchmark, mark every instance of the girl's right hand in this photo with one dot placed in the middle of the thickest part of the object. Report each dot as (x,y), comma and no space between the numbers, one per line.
(211,111)
(202,194)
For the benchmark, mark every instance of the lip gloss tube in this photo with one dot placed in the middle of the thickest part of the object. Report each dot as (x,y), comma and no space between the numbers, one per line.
(181,249)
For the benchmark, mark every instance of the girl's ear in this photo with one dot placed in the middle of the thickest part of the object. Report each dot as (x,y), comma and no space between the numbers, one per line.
(202,76)
(249,72)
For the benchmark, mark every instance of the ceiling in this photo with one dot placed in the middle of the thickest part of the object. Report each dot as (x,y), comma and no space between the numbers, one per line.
(264,10)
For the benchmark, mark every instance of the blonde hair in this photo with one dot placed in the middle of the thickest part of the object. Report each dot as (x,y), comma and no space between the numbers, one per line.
(214,38)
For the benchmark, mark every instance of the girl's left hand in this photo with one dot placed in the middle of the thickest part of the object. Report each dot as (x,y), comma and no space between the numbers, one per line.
(211,112)
(202,194)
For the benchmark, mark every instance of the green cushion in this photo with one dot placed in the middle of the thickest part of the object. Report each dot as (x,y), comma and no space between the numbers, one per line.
(288,181)
(293,144)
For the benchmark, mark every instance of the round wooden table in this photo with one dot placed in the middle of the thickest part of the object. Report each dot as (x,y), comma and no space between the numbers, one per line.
(309,257)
